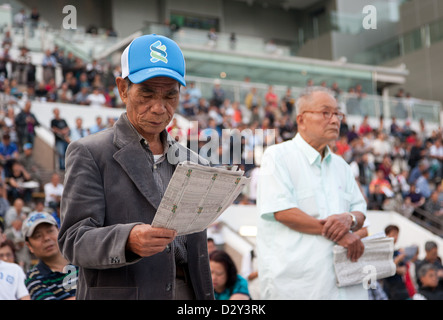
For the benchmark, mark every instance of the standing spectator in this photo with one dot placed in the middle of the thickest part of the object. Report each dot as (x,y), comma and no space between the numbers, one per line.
(218,94)
(20,18)
(298,208)
(24,69)
(34,17)
(25,124)
(61,132)
(49,63)
(5,58)
(46,280)
(212,38)
(78,132)
(98,126)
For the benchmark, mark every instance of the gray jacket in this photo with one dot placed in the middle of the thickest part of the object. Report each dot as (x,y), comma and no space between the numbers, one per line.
(109,188)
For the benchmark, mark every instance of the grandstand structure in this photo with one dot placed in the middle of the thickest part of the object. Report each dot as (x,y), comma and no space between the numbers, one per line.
(283,44)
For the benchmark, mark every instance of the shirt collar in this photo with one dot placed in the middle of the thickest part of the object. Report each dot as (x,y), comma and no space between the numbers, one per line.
(311,154)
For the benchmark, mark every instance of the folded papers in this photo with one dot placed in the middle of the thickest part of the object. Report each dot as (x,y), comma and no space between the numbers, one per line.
(376,263)
(197,195)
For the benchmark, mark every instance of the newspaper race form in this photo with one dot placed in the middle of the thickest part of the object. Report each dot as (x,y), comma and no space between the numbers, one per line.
(377,259)
(197,195)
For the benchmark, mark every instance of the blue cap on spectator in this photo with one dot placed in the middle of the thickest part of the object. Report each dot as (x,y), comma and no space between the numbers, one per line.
(27,146)
(33,220)
(151,56)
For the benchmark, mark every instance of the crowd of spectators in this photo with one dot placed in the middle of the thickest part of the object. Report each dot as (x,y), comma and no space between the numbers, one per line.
(396,166)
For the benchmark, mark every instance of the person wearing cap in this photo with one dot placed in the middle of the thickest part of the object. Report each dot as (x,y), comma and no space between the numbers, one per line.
(53,278)
(114,182)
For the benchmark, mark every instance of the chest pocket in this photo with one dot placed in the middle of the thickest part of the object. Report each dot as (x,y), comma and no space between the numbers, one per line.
(307,202)
(345,201)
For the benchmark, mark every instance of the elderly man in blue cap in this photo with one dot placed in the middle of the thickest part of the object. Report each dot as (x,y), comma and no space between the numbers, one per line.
(115,181)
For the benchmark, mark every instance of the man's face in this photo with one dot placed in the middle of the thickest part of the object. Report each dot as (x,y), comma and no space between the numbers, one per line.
(43,242)
(313,123)
(150,105)
(430,279)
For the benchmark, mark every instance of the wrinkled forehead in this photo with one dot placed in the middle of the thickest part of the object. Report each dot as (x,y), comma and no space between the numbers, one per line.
(323,101)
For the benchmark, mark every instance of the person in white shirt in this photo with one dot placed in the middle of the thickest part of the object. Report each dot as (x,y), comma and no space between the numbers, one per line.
(96,98)
(53,191)
(12,282)
(308,201)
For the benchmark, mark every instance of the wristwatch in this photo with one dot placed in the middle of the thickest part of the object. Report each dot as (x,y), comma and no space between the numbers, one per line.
(354,221)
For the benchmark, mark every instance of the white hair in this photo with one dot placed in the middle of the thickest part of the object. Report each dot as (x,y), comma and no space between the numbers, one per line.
(307,93)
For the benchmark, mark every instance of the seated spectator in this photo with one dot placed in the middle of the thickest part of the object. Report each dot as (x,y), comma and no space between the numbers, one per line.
(431,286)
(64,94)
(41,93)
(7,251)
(16,183)
(364,126)
(413,200)
(4,203)
(46,281)
(342,146)
(8,152)
(228,284)
(433,204)
(431,257)
(395,286)
(379,190)
(380,148)
(53,191)
(14,234)
(15,288)
(422,184)
(96,98)
(81,97)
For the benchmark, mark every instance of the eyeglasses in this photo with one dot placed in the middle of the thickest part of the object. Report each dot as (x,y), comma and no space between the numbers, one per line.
(327,115)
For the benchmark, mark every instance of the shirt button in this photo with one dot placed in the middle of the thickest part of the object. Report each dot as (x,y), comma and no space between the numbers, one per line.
(155,166)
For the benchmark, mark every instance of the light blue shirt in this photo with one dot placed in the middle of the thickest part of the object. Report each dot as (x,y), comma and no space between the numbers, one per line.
(295,265)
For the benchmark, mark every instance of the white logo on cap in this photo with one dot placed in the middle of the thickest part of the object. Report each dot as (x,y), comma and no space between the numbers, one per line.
(158,52)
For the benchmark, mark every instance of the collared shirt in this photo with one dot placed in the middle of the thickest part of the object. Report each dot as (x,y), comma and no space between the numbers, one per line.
(295,265)
(45,284)
(162,172)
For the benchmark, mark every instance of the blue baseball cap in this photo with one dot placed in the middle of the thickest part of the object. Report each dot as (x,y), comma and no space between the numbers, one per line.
(151,56)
